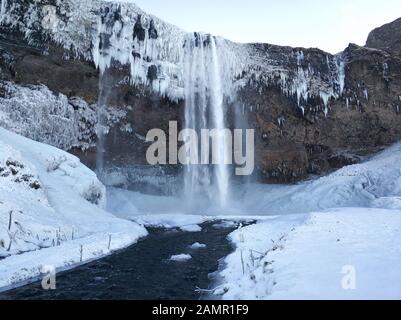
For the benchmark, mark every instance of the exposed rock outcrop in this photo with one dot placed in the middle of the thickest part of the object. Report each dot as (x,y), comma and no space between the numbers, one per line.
(387,38)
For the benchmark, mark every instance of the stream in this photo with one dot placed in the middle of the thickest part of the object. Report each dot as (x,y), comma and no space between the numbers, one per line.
(143,271)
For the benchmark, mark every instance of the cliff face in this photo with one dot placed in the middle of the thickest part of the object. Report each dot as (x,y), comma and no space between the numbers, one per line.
(363,119)
(387,38)
(312,111)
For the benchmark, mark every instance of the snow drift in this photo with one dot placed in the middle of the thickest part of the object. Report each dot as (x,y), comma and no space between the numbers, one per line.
(52,207)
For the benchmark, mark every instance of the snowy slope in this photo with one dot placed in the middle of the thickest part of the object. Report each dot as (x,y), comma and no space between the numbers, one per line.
(373,183)
(376,182)
(349,223)
(56,207)
(313,260)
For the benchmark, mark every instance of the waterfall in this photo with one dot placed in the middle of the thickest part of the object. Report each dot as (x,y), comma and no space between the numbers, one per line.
(204,109)
(104,91)
(221,170)
(196,177)
(105,32)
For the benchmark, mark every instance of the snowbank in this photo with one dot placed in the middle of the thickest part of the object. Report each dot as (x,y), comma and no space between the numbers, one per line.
(373,183)
(348,253)
(51,209)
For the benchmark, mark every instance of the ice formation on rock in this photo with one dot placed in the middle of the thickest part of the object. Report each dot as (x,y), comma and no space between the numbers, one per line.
(37,113)
(110,32)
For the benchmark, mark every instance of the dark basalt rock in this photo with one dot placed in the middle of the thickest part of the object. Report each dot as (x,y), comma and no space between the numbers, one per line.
(136,55)
(387,38)
(139,31)
(291,145)
(152,30)
(152,73)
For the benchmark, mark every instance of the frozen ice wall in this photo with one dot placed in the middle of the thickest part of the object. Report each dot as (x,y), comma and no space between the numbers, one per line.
(111,32)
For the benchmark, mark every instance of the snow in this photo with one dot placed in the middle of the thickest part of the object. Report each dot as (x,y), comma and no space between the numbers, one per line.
(181,257)
(387,203)
(3,9)
(309,256)
(103,32)
(367,184)
(191,228)
(359,185)
(307,239)
(335,237)
(225,224)
(197,245)
(39,114)
(54,201)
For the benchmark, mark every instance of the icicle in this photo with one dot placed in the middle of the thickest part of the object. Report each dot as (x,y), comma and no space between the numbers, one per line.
(340,73)
(385,69)
(325,97)
(365,94)
(3,9)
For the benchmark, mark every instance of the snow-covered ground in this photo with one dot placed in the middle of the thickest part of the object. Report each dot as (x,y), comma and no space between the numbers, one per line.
(345,253)
(52,211)
(334,237)
(344,244)
(373,183)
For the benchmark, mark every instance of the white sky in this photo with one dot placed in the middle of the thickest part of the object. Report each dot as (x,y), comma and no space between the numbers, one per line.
(327,24)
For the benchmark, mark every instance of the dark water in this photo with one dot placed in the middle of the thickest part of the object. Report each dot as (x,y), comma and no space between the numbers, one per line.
(142,271)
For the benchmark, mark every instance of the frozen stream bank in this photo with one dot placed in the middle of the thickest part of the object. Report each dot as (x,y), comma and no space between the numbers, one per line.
(144,270)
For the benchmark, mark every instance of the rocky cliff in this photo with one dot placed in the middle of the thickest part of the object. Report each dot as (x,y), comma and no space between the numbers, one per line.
(387,38)
(312,111)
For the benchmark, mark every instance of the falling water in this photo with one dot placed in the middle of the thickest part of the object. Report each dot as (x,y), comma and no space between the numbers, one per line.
(204,109)
(221,170)
(105,85)
(101,123)
(197,177)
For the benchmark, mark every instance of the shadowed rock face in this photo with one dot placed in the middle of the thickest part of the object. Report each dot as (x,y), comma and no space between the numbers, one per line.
(291,143)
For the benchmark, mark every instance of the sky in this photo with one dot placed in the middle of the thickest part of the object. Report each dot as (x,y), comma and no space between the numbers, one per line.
(326,24)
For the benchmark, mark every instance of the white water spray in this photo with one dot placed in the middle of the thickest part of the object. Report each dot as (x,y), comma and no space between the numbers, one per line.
(221,170)
(204,109)
(196,177)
